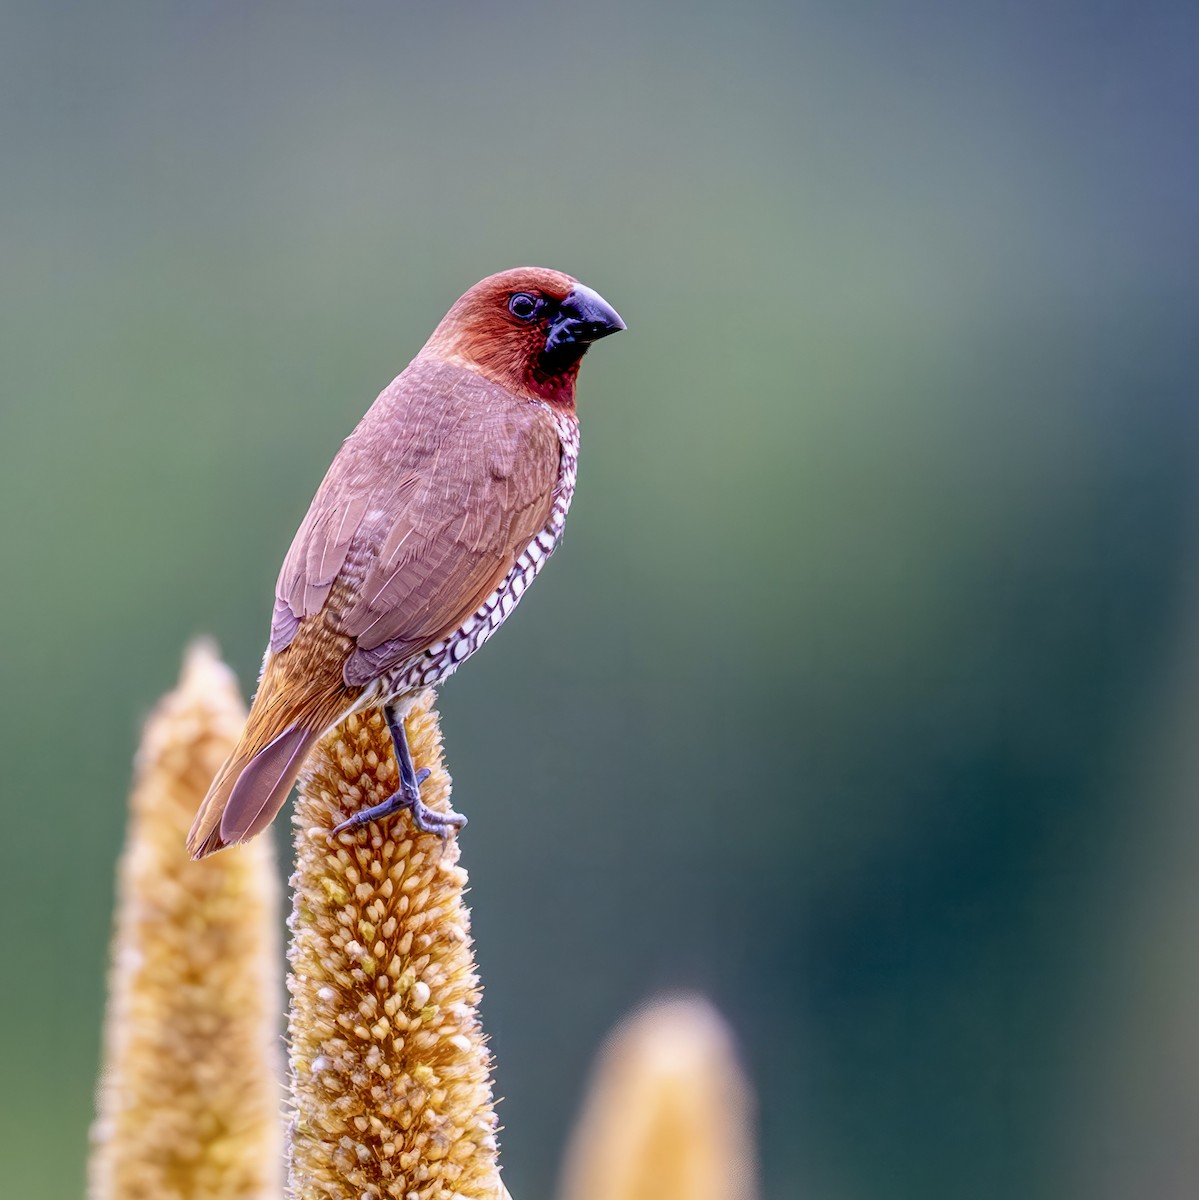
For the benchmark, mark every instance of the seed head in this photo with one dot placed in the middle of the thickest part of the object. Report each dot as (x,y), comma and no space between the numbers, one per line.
(390,1074)
(668,1114)
(190,1093)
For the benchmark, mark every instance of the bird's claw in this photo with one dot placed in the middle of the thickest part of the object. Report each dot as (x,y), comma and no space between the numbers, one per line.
(440,823)
(425,819)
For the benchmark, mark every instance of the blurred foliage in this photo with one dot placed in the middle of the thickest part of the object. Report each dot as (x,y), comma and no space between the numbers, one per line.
(836,702)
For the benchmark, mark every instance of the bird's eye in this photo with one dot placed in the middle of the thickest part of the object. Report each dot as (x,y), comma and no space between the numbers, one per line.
(523,306)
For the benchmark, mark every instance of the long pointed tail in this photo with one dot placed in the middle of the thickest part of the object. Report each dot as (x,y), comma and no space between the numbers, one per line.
(249,789)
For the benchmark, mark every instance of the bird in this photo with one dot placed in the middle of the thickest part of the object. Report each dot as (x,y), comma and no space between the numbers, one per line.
(434,518)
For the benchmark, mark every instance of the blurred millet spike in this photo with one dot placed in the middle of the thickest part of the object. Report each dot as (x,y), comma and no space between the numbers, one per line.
(668,1115)
(390,1073)
(191,1086)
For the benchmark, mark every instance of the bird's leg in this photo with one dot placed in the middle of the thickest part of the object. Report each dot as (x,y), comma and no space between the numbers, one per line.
(407,795)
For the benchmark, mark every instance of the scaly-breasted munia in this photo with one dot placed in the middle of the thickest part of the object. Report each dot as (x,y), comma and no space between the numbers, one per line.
(436,515)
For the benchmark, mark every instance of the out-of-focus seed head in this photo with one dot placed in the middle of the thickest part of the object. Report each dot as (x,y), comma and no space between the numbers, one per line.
(190,1093)
(668,1115)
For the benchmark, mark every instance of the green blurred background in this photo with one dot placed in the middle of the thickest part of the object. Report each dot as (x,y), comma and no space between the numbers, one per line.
(862,693)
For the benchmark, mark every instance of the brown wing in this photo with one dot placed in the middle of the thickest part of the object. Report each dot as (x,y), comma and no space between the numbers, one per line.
(317,555)
(458,534)
(429,503)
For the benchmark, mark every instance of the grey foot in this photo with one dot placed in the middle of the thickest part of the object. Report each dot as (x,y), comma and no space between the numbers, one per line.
(424,818)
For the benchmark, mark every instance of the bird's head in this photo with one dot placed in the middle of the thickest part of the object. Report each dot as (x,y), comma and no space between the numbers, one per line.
(525,329)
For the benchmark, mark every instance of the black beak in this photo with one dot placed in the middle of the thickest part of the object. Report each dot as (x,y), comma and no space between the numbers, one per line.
(583,317)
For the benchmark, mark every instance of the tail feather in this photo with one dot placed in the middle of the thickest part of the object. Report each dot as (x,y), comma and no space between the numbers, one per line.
(301,695)
(249,790)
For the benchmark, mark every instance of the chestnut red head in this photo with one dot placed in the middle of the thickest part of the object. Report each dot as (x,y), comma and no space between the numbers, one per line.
(526,329)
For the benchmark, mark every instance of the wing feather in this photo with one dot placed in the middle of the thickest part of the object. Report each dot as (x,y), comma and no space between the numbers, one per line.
(459,536)
(430,501)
